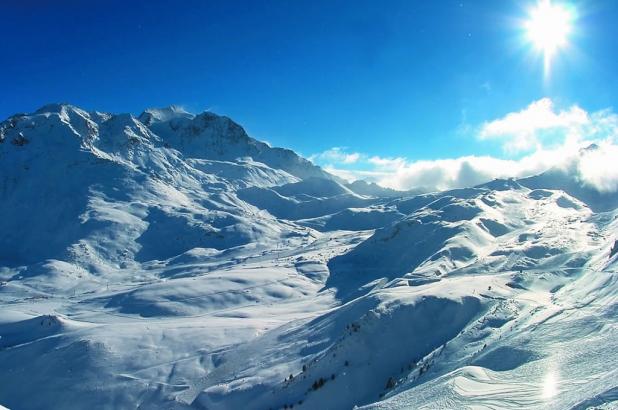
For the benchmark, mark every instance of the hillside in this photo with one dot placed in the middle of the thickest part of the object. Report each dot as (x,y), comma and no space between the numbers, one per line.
(169,260)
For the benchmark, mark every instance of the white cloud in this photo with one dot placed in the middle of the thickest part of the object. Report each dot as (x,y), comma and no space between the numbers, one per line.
(386,164)
(355,174)
(598,168)
(529,128)
(336,155)
(553,137)
(451,173)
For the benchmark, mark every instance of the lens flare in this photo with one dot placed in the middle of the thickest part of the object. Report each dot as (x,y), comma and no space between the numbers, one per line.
(550,385)
(548,28)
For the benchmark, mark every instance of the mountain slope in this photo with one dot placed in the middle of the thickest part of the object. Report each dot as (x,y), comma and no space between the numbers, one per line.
(573,179)
(170,261)
(110,174)
(210,136)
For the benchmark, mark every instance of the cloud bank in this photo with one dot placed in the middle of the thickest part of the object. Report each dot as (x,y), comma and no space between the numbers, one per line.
(543,136)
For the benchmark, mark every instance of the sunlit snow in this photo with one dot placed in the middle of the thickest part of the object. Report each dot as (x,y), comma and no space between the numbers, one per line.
(171,261)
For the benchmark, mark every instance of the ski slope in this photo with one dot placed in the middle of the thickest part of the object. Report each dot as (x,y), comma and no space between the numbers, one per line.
(169,260)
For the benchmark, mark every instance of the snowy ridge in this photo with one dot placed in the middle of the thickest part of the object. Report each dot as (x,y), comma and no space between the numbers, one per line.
(169,260)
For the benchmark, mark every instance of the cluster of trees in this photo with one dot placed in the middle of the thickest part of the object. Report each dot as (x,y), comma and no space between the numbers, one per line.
(320,382)
(354,327)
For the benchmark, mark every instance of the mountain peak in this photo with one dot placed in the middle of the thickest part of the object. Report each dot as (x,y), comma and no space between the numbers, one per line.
(62,109)
(203,136)
(54,108)
(590,148)
(164,114)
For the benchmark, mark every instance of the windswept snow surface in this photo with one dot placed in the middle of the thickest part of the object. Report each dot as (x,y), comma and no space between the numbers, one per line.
(171,261)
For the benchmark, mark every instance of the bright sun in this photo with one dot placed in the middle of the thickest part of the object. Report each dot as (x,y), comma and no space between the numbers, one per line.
(548,28)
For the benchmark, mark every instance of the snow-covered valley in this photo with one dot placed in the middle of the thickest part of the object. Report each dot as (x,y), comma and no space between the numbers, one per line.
(169,260)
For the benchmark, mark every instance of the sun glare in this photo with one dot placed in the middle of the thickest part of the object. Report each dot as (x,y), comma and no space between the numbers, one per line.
(550,385)
(548,28)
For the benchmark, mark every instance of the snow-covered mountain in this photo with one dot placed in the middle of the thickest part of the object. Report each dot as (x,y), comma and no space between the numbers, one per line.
(169,260)
(105,190)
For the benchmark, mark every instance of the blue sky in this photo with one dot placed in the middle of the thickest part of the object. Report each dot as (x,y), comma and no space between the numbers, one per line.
(409,79)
